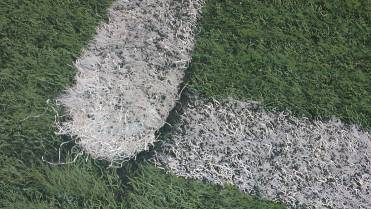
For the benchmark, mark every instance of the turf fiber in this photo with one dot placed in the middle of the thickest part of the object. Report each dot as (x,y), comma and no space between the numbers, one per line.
(39,40)
(312,57)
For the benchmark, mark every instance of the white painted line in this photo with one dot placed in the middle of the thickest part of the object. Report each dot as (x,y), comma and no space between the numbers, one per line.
(128,77)
(300,162)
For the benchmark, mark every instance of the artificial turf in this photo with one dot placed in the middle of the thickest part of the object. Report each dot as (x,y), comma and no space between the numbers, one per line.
(39,41)
(312,58)
(150,187)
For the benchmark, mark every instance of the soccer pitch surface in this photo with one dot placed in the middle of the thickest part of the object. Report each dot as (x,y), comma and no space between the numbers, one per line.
(278,104)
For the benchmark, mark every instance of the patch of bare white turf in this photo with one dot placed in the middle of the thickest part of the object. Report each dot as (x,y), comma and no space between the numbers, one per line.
(128,77)
(300,162)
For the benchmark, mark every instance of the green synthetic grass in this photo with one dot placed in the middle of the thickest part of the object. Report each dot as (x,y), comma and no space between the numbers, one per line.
(150,187)
(84,185)
(79,185)
(309,57)
(39,40)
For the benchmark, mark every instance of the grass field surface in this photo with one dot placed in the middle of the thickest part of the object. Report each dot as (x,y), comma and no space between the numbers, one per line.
(308,57)
(152,188)
(39,41)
